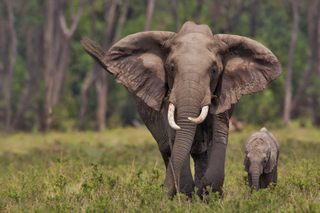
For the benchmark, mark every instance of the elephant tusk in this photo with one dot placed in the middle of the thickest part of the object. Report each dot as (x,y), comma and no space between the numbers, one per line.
(171,121)
(201,117)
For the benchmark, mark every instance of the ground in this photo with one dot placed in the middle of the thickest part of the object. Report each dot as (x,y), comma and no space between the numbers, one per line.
(121,170)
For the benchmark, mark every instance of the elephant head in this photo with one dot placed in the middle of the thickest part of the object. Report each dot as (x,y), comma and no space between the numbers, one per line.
(192,70)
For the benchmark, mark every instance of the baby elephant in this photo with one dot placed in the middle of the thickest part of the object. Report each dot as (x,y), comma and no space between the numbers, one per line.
(261,160)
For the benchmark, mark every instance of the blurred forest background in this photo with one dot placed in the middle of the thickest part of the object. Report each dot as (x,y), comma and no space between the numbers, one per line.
(47,81)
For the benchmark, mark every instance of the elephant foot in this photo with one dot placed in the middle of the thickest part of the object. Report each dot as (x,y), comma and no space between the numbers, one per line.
(186,189)
(202,193)
(169,187)
(184,183)
(214,186)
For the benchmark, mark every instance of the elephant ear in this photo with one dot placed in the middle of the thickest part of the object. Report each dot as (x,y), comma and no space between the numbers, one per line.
(271,162)
(246,163)
(274,150)
(248,67)
(137,62)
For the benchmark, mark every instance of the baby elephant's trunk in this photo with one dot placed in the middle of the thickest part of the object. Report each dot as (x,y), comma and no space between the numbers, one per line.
(255,175)
(255,181)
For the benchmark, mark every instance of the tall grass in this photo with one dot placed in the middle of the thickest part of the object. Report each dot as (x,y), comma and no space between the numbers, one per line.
(121,170)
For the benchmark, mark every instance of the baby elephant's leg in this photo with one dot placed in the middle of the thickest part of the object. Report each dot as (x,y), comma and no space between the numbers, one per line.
(275,175)
(267,179)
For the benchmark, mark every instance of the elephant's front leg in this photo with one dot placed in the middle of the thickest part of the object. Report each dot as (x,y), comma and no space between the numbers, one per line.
(214,175)
(184,182)
(200,166)
(269,178)
(155,123)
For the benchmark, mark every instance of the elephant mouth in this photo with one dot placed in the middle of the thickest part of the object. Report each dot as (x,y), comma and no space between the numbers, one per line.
(197,120)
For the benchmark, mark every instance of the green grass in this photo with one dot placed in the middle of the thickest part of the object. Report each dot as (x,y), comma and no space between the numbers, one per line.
(121,170)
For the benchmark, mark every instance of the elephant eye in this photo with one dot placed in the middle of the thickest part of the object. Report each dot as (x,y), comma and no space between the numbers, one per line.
(214,68)
(171,66)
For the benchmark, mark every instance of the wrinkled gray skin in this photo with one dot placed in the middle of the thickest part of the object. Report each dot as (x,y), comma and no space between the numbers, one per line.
(261,160)
(189,69)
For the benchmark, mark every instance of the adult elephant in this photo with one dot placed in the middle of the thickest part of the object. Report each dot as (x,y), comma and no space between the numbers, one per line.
(188,81)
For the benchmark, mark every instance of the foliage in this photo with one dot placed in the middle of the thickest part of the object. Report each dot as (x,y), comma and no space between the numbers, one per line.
(272,28)
(121,170)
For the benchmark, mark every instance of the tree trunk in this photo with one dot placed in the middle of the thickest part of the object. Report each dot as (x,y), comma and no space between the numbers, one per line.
(122,19)
(312,57)
(2,54)
(57,39)
(174,11)
(315,96)
(48,60)
(11,60)
(254,12)
(149,15)
(88,81)
(97,75)
(197,11)
(101,88)
(100,75)
(32,81)
(292,46)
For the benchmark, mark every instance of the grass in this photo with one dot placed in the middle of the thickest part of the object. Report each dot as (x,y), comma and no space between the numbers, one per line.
(121,170)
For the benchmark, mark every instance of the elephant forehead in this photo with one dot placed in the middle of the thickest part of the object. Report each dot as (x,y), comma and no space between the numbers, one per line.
(193,48)
(196,40)
(154,63)
(190,27)
(257,144)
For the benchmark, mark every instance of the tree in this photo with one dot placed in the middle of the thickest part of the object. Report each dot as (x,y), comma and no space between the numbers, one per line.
(312,52)
(174,11)
(292,46)
(57,38)
(197,11)
(97,74)
(9,59)
(149,15)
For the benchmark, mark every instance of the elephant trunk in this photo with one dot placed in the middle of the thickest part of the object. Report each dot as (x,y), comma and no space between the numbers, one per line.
(182,144)
(255,175)
(188,105)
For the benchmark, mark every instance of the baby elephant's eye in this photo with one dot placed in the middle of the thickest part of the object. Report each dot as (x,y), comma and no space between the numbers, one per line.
(265,160)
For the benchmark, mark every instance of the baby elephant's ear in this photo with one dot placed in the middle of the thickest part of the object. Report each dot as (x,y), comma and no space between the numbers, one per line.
(137,62)
(272,161)
(248,67)
(246,163)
